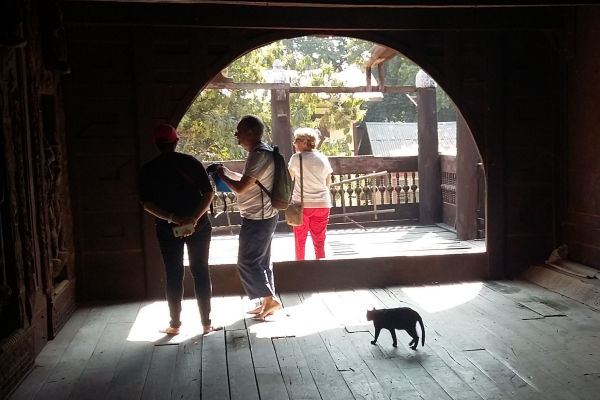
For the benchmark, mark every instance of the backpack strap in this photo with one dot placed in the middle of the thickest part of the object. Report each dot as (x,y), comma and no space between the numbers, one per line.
(264,148)
(301,181)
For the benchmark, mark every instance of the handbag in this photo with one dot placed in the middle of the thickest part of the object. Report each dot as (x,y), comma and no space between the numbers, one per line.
(293,214)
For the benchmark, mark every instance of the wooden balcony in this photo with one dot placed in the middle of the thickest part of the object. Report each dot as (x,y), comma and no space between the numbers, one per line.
(371,191)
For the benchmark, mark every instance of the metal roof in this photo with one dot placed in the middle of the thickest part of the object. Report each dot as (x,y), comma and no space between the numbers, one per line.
(400,138)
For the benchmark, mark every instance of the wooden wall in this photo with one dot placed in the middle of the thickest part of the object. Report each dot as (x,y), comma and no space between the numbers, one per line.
(524,79)
(136,65)
(579,190)
(37,265)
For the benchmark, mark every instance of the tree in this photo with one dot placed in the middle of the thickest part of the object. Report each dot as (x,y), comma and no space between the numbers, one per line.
(207,128)
(398,107)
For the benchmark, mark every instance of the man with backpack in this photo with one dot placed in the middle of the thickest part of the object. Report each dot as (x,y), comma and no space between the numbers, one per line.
(259,217)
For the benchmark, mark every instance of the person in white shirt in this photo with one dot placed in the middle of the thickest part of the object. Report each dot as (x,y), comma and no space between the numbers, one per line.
(316,178)
(259,217)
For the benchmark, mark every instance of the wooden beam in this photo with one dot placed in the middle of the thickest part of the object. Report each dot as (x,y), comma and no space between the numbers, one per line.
(306,19)
(385,4)
(307,89)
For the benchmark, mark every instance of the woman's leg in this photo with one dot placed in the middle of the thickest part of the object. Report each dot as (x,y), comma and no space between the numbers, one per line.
(300,233)
(198,248)
(319,218)
(171,249)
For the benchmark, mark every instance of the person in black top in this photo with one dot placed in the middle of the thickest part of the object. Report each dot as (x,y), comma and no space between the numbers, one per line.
(174,187)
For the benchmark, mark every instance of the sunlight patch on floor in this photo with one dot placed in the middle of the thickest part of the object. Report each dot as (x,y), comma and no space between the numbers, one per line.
(442,297)
(313,316)
(155,316)
(316,313)
(299,320)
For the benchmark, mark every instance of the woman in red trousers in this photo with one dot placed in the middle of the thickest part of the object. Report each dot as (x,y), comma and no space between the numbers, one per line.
(316,178)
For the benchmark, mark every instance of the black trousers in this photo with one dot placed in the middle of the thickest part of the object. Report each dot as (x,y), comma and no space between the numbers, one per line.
(198,245)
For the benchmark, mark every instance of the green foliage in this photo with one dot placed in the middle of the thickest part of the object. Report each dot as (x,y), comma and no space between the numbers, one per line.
(398,107)
(337,147)
(207,128)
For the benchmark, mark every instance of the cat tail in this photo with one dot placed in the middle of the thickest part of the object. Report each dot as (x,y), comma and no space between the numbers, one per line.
(422,330)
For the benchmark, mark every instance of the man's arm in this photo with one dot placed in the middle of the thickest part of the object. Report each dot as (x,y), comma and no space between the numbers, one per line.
(240,185)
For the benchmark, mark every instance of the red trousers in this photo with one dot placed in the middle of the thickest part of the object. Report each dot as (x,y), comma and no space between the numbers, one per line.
(313,220)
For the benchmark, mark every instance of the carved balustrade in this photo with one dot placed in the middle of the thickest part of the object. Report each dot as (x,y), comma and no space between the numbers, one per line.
(363,186)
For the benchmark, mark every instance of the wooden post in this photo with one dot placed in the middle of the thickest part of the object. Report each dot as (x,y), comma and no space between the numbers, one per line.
(467,157)
(430,192)
(280,121)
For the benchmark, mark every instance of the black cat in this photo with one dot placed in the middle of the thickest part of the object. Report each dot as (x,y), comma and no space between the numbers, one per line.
(397,318)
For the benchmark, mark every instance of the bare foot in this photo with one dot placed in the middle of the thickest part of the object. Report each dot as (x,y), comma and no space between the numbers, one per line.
(171,331)
(269,308)
(257,310)
(210,329)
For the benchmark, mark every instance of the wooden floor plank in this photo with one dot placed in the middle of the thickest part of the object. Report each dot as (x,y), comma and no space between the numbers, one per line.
(267,368)
(449,360)
(187,379)
(131,371)
(268,373)
(463,341)
(94,382)
(461,366)
(503,327)
(294,369)
(159,380)
(560,338)
(240,366)
(408,363)
(394,383)
(329,381)
(66,373)
(215,382)
(358,376)
(448,380)
(50,356)
(524,345)
(125,312)
(501,341)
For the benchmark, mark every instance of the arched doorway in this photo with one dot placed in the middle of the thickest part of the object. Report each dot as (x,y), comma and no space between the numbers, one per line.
(169,70)
(393,187)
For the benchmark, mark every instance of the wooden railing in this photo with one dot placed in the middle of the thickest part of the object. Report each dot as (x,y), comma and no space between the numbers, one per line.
(363,189)
(448,186)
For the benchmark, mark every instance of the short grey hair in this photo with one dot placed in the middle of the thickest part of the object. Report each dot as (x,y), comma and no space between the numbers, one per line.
(254,124)
(309,134)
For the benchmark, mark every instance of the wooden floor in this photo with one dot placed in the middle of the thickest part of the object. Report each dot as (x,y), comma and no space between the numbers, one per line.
(386,241)
(497,340)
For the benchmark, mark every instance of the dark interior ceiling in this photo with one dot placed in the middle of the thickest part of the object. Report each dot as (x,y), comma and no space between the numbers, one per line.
(364,3)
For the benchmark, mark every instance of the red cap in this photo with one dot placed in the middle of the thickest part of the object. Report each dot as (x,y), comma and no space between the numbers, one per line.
(165,133)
